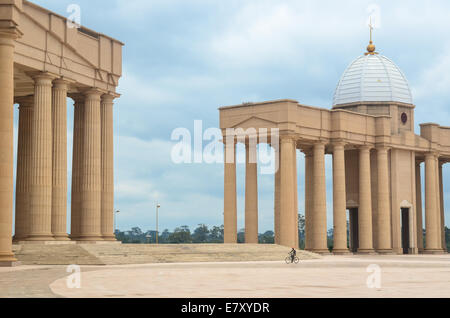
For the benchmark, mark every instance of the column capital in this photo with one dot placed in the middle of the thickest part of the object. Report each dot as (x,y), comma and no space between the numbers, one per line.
(287,138)
(227,140)
(110,96)
(382,146)
(432,154)
(42,78)
(338,144)
(93,93)
(365,147)
(319,145)
(61,83)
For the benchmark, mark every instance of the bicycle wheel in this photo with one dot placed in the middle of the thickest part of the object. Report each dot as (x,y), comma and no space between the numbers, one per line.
(288,260)
(296,260)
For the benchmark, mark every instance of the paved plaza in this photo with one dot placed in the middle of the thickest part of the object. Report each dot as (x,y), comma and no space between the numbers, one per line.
(330,276)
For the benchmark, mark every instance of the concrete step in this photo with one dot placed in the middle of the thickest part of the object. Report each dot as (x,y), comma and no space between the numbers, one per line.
(93,254)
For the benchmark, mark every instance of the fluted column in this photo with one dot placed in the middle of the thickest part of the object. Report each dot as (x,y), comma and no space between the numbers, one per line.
(339,200)
(384,210)
(365,202)
(419,213)
(107,221)
(41,157)
(230,203)
(431,212)
(319,226)
(75,203)
(277,196)
(286,193)
(90,216)
(438,201)
(251,195)
(441,204)
(295,187)
(309,199)
(59,160)
(7,42)
(23,168)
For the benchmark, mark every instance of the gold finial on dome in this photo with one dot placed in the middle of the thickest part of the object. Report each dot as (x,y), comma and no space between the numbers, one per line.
(371,47)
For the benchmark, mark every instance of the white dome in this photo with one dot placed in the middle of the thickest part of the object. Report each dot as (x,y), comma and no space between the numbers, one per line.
(372,78)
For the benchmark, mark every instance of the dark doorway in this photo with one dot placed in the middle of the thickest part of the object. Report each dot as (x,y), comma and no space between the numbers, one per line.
(405,231)
(354,230)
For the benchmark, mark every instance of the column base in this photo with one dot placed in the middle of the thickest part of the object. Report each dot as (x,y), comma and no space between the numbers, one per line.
(436,251)
(321,251)
(387,251)
(8,260)
(110,238)
(39,237)
(61,237)
(54,242)
(10,263)
(89,239)
(98,242)
(341,252)
(366,251)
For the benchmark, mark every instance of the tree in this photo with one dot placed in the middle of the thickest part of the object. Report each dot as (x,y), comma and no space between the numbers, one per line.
(216,234)
(181,235)
(267,238)
(135,231)
(241,236)
(301,230)
(201,234)
(447,238)
(330,241)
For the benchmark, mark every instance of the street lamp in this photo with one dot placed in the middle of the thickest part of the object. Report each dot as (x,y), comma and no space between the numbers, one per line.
(157,209)
(115,216)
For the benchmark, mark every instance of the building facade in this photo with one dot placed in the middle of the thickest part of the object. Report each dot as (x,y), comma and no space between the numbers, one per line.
(377,184)
(44,59)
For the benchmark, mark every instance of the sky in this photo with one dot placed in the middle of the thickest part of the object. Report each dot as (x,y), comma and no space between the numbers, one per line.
(185,58)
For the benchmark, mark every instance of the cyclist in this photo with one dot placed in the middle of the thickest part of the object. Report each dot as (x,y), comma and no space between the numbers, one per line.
(293,254)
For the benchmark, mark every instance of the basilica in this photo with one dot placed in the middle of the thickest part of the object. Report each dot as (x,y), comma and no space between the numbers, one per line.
(377,158)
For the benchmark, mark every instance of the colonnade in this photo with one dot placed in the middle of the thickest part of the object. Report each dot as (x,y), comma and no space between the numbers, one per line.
(286,201)
(41,187)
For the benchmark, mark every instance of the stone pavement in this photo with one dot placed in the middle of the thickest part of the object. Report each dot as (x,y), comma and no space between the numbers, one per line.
(330,276)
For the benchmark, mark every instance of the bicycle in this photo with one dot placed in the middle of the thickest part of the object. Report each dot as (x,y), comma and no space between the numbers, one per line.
(290,261)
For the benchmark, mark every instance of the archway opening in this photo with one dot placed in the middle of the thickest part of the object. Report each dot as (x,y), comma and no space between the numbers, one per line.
(406,241)
(353,230)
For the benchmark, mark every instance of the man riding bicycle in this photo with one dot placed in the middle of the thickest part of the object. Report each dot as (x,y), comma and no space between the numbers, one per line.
(293,254)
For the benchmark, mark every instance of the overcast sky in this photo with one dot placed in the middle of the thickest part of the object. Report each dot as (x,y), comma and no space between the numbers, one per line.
(185,58)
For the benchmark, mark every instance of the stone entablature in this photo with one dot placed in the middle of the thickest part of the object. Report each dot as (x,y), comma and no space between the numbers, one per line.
(80,55)
(313,123)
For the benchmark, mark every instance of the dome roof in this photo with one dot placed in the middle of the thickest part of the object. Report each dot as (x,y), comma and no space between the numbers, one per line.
(372,78)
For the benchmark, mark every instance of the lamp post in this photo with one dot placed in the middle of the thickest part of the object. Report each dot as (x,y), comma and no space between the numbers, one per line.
(157,233)
(115,222)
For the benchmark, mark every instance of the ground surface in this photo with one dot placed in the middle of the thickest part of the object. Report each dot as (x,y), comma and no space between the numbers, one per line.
(330,276)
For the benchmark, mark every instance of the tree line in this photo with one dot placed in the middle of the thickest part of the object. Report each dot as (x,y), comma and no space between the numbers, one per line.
(203,235)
